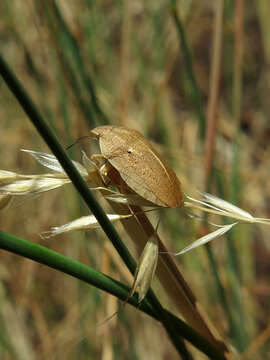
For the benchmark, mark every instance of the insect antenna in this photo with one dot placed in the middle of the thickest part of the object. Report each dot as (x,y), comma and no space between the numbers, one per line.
(78,140)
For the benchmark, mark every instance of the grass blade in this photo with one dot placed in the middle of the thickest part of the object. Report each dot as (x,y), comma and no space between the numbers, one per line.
(85,273)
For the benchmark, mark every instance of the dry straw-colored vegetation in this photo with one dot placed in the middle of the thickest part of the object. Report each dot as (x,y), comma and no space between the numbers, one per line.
(194,78)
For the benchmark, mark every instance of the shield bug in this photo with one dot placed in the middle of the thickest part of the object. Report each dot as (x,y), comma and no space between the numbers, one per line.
(139,165)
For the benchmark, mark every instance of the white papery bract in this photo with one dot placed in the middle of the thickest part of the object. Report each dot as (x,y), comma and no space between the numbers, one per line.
(226,206)
(207,238)
(81,224)
(32,186)
(50,161)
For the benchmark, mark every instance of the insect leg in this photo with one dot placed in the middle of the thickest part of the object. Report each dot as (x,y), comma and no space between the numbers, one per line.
(96,158)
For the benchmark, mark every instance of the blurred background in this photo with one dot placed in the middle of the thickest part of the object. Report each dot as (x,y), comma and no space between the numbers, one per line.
(88,63)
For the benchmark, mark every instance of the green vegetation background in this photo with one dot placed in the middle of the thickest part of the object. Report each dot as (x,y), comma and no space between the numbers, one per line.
(87,63)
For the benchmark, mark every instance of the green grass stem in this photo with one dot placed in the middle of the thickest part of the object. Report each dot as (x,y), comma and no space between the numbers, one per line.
(93,277)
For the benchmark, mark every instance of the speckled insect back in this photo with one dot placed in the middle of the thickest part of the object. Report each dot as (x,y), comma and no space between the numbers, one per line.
(140,166)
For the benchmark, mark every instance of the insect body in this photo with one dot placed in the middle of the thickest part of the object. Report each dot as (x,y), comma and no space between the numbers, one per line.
(139,165)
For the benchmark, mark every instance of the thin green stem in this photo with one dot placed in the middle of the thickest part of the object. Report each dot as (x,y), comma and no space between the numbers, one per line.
(93,277)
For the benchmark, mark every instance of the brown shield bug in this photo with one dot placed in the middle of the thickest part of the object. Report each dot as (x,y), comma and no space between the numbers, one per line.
(139,165)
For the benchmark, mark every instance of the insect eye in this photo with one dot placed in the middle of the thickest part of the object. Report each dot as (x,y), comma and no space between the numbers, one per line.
(129,151)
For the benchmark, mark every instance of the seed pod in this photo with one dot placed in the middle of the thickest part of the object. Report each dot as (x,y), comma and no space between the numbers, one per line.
(145,269)
(140,166)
